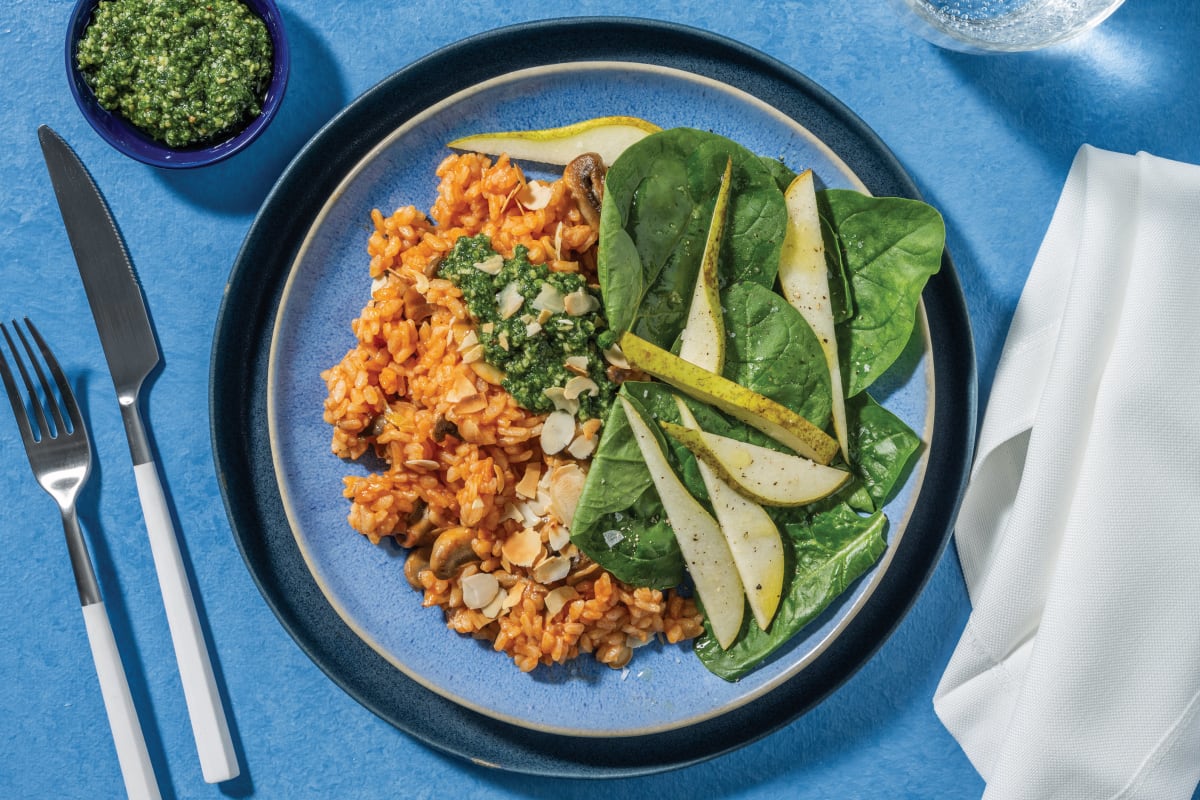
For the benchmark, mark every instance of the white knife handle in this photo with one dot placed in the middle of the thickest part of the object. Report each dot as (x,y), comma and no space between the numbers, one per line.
(136,768)
(218,762)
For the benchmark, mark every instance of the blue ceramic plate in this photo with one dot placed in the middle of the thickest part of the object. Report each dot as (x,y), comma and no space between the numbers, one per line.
(303,275)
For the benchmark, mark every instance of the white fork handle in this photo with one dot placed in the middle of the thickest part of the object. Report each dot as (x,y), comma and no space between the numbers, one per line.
(136,768)
(218,762)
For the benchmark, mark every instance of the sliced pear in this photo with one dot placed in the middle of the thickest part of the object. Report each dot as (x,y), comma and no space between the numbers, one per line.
(752,536)
(703,339)
(606,136)
(804,277)
(700,539)
(764,475)
(775,420)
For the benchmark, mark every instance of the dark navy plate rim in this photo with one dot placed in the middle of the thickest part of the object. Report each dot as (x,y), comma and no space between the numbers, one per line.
(242,449)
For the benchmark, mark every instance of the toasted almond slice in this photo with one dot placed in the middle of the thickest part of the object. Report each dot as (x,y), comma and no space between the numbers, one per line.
(523,547)
(561,403)
(479,589)
(580,302)
(509,300)
(544,316)
(578,385)
(566,485)
(557,431)
(511,511)
(614,356)
(557,598)
(551,570)
(491,265)
(515,593)
(535,195)
(486,371)
(475,353)
(549,299)
(590,427)
(540,504)
(558,536)
(487,327)
(576,364)
(493,609)
(471,405)
(421,463)
(528,485)
(463,388)
(582,447)
(469,340)
(533,328)
(502,340)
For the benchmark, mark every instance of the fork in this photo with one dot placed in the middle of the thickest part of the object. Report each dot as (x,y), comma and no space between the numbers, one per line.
(61,458)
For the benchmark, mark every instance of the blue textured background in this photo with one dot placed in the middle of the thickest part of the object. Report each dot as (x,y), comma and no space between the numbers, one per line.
(988,140)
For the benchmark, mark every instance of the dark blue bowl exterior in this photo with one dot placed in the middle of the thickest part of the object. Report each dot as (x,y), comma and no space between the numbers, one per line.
(134,143)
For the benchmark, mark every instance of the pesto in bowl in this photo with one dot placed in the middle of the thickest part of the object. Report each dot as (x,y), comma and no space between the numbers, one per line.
(183,72)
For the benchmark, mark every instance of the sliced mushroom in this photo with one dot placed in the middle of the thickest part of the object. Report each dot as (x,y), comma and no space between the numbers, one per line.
(451,550)
(421,526)
(585,178)
(416,563)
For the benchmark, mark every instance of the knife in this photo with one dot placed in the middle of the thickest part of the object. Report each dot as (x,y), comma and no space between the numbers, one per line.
(132,352)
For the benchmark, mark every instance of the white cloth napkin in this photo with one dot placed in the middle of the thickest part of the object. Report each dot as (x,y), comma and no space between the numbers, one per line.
(1078,674)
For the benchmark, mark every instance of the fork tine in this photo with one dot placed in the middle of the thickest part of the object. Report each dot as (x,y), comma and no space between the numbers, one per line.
(51,402)
(60,379)
(14,394)
(39,414)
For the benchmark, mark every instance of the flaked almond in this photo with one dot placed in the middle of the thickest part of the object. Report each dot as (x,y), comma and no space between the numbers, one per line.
(582,447)
(474,353)
(576,364)
(578,385)
(502,340)
(469,340)
(509,300)
(462,388)
(528,485)
(557,598)
(549,299)
(558,537)
(493,609)
(533,328)
(421,463)
(511,511)
(499,478)
(544,316)
(515,593)
(551,570)
(558,430)
(487,327)
(491,265)
(566,485)
(479,589)
(528,515)
(616,357)
(535,195)
(561,403)
(471,405)
(486,371)
(580,302)
(523,547)
(590,427)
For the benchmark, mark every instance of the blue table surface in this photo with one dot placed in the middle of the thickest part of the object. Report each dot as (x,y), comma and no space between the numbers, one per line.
(988,140)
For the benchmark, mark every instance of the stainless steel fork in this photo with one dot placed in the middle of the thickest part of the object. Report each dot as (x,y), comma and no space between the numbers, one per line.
(61,457)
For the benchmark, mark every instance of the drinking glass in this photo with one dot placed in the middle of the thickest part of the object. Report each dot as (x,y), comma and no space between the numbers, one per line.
(1002,26)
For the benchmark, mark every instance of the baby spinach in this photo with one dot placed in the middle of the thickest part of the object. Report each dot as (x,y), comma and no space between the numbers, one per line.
(658,201)
(881,446)
(891,246)
(826,556)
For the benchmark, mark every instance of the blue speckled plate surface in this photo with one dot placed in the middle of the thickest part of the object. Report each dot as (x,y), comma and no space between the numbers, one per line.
(302,276)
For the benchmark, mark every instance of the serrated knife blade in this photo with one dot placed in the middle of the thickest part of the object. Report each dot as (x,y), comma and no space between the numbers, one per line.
(131,351)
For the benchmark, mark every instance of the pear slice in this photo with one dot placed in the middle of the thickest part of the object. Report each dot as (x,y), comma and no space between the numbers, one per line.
(764,475)
(775,420)
(752,536)
(804,278)
(703,339)
(606,136)
(700,539)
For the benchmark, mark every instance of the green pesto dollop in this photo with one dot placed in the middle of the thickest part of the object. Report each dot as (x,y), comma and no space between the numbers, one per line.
(532,354)
(183,71)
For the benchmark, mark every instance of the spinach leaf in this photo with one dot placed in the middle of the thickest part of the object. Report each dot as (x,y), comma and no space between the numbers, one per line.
(781,172)
(881,446)
(891,246)
(771,349)
(825,557)
(619,496)
(657,207)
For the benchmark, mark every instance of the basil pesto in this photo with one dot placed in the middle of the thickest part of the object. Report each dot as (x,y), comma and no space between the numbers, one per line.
(184,72)
(539,327)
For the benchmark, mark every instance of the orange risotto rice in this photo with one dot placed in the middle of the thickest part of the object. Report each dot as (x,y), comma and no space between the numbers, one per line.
(467,488)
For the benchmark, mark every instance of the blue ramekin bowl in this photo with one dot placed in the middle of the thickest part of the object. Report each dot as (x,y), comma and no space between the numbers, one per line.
(131,141)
